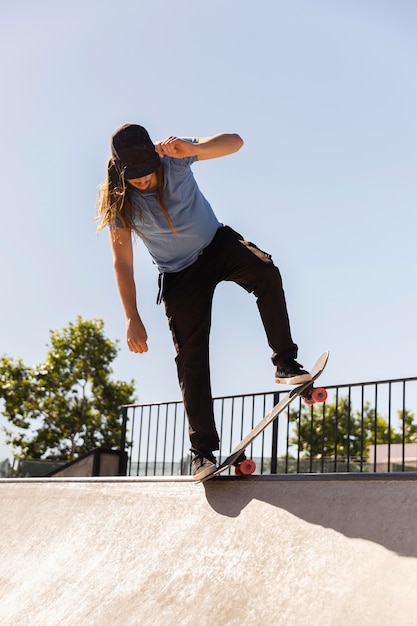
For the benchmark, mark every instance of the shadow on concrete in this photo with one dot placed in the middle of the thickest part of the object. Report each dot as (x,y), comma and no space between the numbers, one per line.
(379,508)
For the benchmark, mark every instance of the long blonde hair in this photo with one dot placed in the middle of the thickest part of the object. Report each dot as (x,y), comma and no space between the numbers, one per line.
(114,201)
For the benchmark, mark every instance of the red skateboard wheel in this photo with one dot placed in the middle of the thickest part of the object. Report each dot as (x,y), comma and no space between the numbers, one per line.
(319,394)
(309,401)
(245,468)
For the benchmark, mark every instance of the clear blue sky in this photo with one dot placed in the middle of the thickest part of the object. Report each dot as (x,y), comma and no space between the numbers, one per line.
(324,94)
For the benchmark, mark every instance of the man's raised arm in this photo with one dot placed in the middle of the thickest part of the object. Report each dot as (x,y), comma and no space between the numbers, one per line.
(206,148)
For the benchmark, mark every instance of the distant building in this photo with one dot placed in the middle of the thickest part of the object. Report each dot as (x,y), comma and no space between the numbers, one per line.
(5,469)
(390,457)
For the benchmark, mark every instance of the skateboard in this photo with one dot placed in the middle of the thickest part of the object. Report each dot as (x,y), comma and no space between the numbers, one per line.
(310,395)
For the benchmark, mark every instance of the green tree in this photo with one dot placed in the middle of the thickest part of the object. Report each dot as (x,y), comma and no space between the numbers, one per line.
(68,405)
(336,430)
(408,426)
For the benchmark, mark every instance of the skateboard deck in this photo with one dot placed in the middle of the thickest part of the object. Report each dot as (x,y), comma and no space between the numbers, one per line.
(306,390)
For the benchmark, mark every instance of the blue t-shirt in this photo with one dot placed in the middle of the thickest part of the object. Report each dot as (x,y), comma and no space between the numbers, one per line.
(189,211)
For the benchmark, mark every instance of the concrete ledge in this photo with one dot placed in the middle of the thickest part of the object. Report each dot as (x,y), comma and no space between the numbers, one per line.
(162,552)
(345,477)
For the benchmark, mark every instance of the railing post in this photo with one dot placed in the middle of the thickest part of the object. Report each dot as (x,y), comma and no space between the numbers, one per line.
(274,448)
(123,453)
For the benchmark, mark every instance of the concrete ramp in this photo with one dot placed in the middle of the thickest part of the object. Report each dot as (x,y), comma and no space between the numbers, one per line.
(159,552)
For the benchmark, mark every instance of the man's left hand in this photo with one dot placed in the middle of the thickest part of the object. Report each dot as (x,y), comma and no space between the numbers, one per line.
(175,147)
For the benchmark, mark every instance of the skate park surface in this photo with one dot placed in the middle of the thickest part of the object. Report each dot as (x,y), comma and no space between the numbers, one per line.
(284,550)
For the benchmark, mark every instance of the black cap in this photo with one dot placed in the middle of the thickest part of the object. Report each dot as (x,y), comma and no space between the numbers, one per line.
(134,152)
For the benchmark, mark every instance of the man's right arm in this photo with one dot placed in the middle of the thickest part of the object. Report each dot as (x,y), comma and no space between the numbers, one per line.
(122,250)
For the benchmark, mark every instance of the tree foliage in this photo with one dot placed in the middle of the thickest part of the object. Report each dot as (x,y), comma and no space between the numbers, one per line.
(68,405)
(337,431)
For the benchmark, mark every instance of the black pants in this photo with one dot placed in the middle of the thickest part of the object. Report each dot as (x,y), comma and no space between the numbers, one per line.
(188,297)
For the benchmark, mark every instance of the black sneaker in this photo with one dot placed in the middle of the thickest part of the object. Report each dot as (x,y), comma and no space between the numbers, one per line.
(289,372)
(203,464)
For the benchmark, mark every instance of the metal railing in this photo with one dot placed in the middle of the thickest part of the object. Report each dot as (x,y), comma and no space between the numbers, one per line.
(362,427)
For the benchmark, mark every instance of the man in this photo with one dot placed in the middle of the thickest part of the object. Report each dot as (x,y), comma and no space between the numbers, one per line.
(151,191)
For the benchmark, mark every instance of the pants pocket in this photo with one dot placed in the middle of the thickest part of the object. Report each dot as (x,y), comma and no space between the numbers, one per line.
(264,256)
